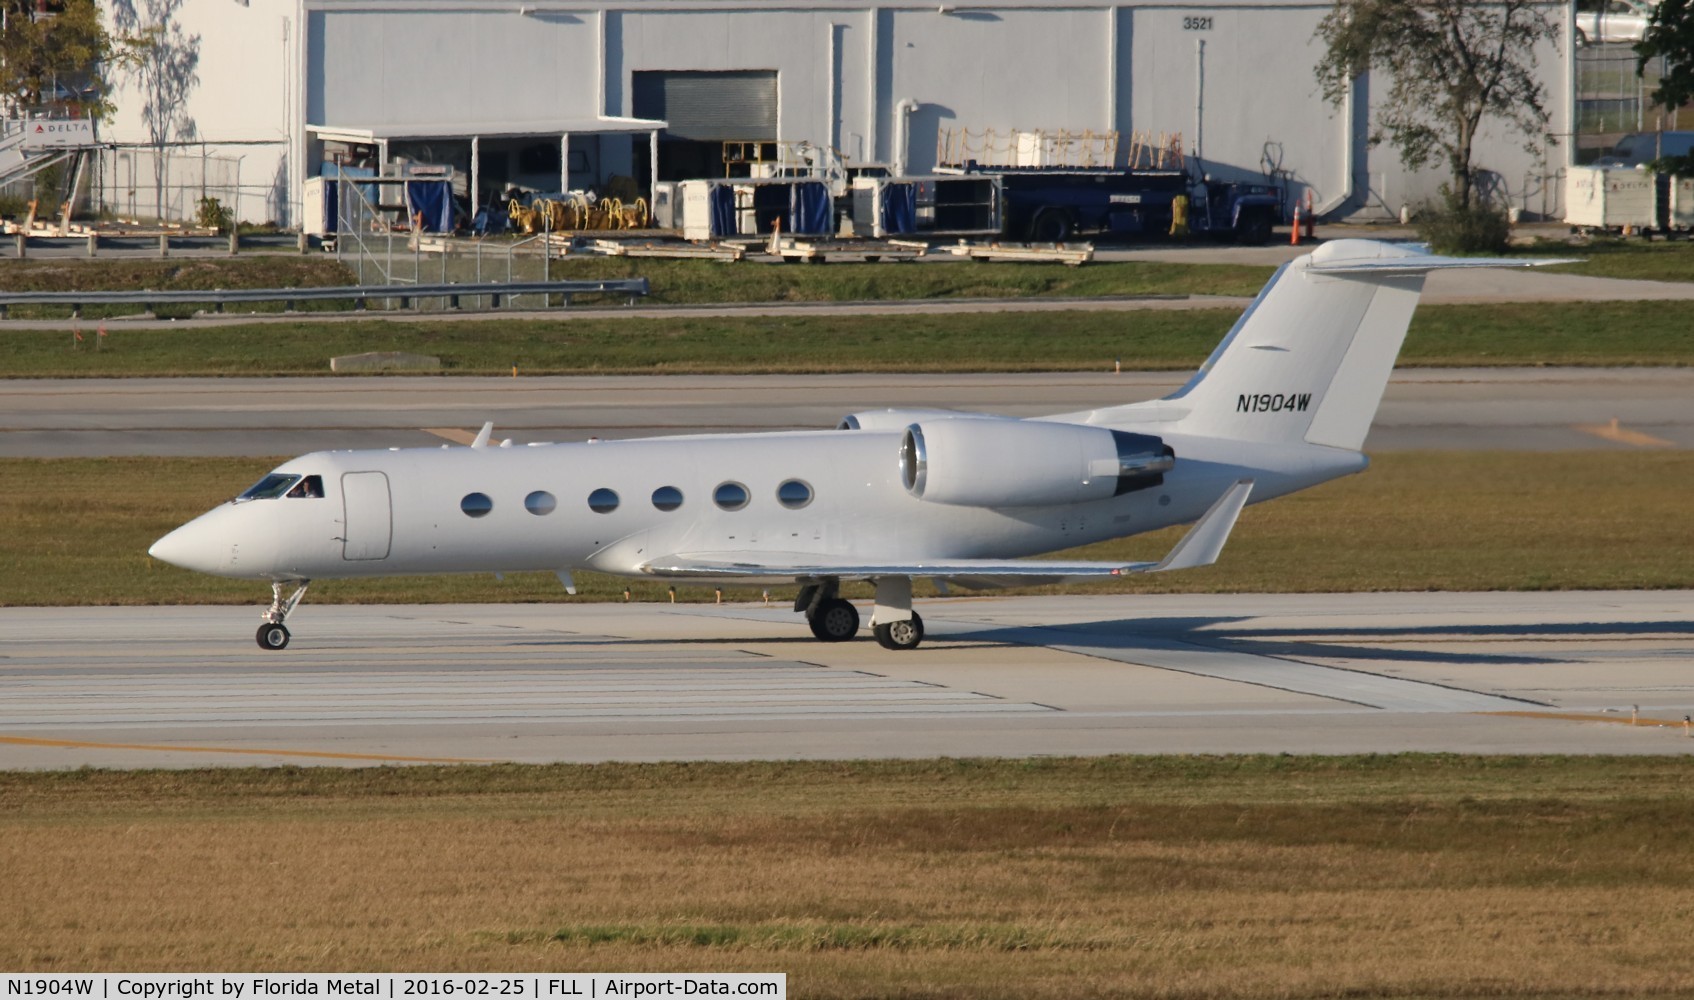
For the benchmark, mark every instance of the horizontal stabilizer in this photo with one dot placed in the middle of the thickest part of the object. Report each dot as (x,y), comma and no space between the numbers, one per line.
(1424,264)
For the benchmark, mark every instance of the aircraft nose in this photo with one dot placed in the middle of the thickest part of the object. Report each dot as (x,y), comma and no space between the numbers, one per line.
(191,547)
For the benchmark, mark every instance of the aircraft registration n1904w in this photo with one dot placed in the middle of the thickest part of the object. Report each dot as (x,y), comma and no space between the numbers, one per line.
(1283,403)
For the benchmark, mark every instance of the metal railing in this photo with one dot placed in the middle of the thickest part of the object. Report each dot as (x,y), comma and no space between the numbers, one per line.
(452,296)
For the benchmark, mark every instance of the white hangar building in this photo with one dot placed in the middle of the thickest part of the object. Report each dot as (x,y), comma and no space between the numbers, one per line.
(550,94)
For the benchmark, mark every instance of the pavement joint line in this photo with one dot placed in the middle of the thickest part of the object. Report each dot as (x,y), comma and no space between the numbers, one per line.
(29,741)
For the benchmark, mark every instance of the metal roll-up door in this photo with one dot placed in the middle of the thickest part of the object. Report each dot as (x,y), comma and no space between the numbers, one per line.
(709,106)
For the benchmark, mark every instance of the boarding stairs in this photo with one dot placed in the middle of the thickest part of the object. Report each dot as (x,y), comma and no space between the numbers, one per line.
(19,159)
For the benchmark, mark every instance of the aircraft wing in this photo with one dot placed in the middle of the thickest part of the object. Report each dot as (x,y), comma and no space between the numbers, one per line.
(1199,547)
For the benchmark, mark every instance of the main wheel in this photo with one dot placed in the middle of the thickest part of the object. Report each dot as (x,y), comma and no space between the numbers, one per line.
(901,635)
(835,621)
(272,636)
(1255,230)
(1050,225)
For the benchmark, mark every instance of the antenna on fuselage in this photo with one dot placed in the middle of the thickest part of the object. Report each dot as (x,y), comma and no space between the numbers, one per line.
(483,435)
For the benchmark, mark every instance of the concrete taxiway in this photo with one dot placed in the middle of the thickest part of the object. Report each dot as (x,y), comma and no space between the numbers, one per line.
(1482,673)
(1498,408)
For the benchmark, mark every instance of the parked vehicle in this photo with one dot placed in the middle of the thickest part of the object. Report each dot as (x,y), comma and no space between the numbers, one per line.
(1052,204)
(1638,148)
(1617,21)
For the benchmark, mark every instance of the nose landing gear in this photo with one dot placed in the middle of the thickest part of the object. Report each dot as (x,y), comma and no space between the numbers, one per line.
(273,634)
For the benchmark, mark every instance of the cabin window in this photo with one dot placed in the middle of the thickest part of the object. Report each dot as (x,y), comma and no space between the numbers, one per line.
(270,487)
(476,504)
(311,487)
(794,494)
(667,498)
(540,502)
(730,496)
(603,501)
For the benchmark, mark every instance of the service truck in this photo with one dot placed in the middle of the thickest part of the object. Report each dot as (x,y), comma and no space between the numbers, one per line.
(1053,204)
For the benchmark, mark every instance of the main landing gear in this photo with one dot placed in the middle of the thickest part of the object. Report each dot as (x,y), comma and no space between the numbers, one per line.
(894,623)
(273,634)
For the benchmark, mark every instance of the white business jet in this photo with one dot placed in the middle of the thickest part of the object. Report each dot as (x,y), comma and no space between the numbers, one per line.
(1283,403)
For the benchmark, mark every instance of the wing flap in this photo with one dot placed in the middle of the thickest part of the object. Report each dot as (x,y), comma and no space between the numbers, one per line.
(1199,547)
(772,566)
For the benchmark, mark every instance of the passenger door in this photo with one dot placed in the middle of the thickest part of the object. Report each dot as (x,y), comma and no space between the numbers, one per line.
(369,527)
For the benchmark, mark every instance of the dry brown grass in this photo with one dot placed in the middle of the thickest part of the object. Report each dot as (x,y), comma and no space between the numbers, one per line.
(78,532)
(1161,877)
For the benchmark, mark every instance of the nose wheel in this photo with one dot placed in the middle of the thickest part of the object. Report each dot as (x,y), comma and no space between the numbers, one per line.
(900,635)
(273,634)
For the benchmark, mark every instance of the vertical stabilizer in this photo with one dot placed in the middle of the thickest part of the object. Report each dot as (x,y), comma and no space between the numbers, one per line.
(1310,358)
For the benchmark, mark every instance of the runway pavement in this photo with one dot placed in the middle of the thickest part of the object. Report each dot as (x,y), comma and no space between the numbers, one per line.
(1475,673)
(1500,408)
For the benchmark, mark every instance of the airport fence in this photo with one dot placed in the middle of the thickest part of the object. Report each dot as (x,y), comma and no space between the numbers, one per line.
(380,245)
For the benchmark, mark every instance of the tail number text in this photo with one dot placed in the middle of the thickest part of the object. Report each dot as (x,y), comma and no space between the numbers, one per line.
(1272,402)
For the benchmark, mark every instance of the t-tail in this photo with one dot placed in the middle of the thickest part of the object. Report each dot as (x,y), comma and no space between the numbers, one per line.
(1310,358)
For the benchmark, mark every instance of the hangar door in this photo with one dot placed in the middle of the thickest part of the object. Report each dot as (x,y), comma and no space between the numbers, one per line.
(369,526)
(702,110)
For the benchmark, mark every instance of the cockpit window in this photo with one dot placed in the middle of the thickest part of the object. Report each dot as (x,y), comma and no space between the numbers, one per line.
(271,487)
(311,487)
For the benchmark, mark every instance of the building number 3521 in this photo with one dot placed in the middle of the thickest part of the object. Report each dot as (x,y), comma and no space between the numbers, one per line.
(1196,24)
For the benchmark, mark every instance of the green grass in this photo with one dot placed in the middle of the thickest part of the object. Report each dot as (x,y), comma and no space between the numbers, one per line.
(1606,334)
(78,531)
(673,282)
(1621,258)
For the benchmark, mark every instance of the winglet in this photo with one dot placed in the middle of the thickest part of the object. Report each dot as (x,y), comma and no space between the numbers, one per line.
(483,435)
(1204,541)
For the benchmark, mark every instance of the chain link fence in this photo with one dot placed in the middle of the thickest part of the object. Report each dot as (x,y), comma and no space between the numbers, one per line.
(378,238)
(164,185)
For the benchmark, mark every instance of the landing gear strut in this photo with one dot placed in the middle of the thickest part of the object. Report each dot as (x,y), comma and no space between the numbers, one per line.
(831,618)
(273,634)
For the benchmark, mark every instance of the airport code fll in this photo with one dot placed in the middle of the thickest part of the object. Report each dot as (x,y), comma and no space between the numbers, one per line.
(259,986)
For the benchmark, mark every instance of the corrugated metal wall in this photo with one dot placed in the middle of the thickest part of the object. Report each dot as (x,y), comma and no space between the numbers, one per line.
(708,106)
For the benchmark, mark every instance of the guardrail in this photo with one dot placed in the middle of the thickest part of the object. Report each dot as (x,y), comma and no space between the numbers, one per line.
(451,295)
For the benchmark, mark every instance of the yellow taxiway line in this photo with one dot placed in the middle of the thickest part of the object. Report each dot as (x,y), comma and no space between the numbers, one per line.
(30,741)
(1623,435)
(452,434)
(1589,717)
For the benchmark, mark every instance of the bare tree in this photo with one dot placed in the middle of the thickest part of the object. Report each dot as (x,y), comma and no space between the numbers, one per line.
(1452,64)
(164,62)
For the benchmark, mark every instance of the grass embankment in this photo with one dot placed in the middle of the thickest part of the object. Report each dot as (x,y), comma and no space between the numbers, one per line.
(78,532)
(1119,877)
(1605,334)
(673,282)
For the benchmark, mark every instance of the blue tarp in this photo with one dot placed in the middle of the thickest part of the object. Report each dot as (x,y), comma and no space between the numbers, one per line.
(332,191)
(900,208)
(809,209)
(433,200)
(722,199)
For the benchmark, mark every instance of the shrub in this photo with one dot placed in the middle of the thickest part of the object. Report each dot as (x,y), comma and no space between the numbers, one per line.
(213,215)
(1480,229)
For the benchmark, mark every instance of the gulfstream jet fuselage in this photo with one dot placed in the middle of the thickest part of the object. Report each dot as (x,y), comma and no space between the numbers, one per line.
(1283,404)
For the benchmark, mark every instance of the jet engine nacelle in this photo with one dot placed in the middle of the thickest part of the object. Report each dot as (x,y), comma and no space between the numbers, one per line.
(1027,463)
